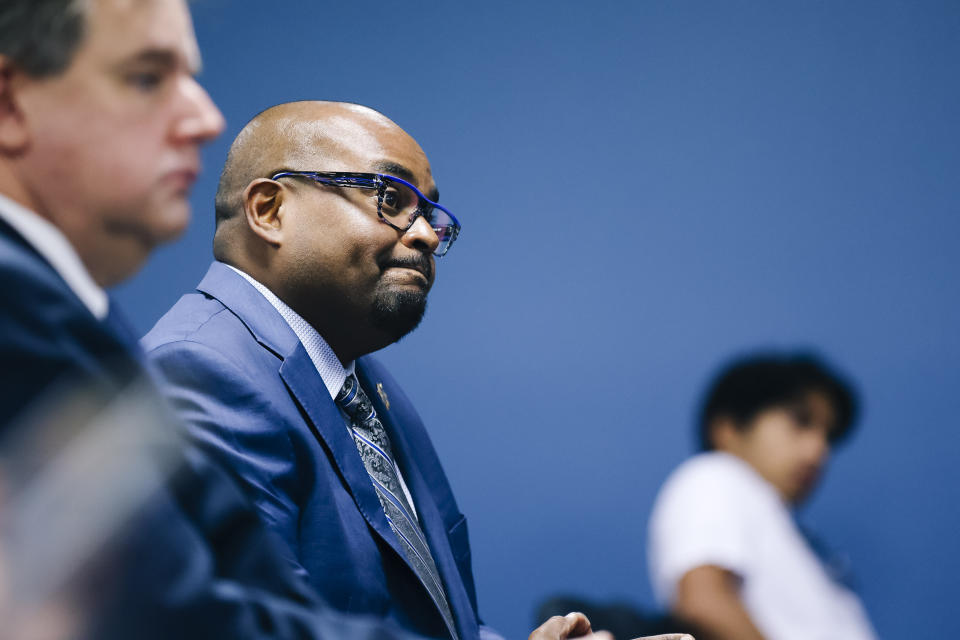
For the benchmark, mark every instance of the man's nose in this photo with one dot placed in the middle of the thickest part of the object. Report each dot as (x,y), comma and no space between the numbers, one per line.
(421,236)
(202,120)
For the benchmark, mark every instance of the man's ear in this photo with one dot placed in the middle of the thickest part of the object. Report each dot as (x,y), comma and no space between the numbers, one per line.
(724,434)
(14,134)
(262,200)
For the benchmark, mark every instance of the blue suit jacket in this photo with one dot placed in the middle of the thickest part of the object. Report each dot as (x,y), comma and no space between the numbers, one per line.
(240,378)
(195,561)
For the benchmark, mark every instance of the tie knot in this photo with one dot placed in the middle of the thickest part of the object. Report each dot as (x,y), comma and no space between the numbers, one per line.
(354,401)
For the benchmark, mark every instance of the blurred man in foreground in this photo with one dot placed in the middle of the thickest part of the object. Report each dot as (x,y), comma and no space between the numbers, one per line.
(725,551)
(101,122)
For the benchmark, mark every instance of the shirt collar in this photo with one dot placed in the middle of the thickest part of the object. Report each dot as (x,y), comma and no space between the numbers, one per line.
(331,371)
(54,247)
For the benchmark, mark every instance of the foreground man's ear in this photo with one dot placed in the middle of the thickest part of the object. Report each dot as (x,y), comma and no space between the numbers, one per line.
(14,135)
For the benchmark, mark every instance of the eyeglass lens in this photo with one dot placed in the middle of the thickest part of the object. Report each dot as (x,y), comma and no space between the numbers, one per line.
(400,205)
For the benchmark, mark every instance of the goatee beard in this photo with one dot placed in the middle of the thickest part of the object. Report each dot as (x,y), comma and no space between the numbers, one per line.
(397,313)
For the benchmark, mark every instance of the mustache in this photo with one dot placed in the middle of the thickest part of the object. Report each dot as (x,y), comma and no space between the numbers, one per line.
(421,263)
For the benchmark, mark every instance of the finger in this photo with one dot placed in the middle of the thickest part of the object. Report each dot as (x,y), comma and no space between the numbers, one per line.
(578,625)
(668,636)
(572,625)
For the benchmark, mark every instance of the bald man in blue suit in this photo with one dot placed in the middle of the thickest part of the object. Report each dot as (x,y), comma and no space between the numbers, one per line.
(311,278)
(327,233)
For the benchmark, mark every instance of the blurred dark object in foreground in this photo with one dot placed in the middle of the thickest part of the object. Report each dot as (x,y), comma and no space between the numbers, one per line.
(622,619)
(111,528)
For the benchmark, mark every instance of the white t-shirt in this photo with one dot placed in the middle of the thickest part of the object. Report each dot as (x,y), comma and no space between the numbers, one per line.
(714,509)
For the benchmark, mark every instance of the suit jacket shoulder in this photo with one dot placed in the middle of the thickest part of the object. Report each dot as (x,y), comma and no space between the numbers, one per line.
(47,335)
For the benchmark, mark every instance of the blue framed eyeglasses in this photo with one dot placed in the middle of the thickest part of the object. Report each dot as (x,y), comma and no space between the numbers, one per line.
(399,203)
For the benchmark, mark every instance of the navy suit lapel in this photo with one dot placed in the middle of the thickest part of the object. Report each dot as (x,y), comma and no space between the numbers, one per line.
(302,379)
(431,520)
(327,423)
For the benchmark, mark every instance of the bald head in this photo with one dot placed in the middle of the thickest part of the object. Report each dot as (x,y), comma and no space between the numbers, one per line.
(299,136)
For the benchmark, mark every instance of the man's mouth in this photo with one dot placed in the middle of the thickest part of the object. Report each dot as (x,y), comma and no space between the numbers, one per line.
(422,265)
(183,179)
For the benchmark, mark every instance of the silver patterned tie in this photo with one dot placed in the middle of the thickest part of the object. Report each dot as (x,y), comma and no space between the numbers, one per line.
(374,447)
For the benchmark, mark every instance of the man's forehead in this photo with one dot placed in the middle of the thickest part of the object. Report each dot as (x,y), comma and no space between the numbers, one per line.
(131,29)
(345,143)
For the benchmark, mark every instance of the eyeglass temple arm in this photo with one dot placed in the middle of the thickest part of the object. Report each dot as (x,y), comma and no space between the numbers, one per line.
(338,181)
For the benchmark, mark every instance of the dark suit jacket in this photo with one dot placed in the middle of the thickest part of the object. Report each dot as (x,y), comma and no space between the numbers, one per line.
(195,561)
(240,378)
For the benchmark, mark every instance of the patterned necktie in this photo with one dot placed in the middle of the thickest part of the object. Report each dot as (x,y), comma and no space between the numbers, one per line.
(374,447)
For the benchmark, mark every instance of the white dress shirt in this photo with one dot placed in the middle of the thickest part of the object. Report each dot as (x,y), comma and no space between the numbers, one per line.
(54,247)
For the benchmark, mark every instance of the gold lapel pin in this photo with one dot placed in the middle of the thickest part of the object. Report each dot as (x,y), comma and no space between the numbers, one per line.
(383,395)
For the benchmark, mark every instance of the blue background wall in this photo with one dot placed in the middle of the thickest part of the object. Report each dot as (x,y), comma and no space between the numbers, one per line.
(647,188)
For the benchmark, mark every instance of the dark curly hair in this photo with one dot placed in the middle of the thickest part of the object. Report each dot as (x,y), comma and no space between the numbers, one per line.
(749,385)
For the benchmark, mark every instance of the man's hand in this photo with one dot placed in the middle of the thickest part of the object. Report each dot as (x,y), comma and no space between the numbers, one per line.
(572,625)
(576,625)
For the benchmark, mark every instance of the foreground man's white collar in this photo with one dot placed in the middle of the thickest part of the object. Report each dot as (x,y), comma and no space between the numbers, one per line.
(50,243)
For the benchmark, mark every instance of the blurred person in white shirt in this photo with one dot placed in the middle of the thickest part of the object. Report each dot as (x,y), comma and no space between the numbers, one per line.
(726,553)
